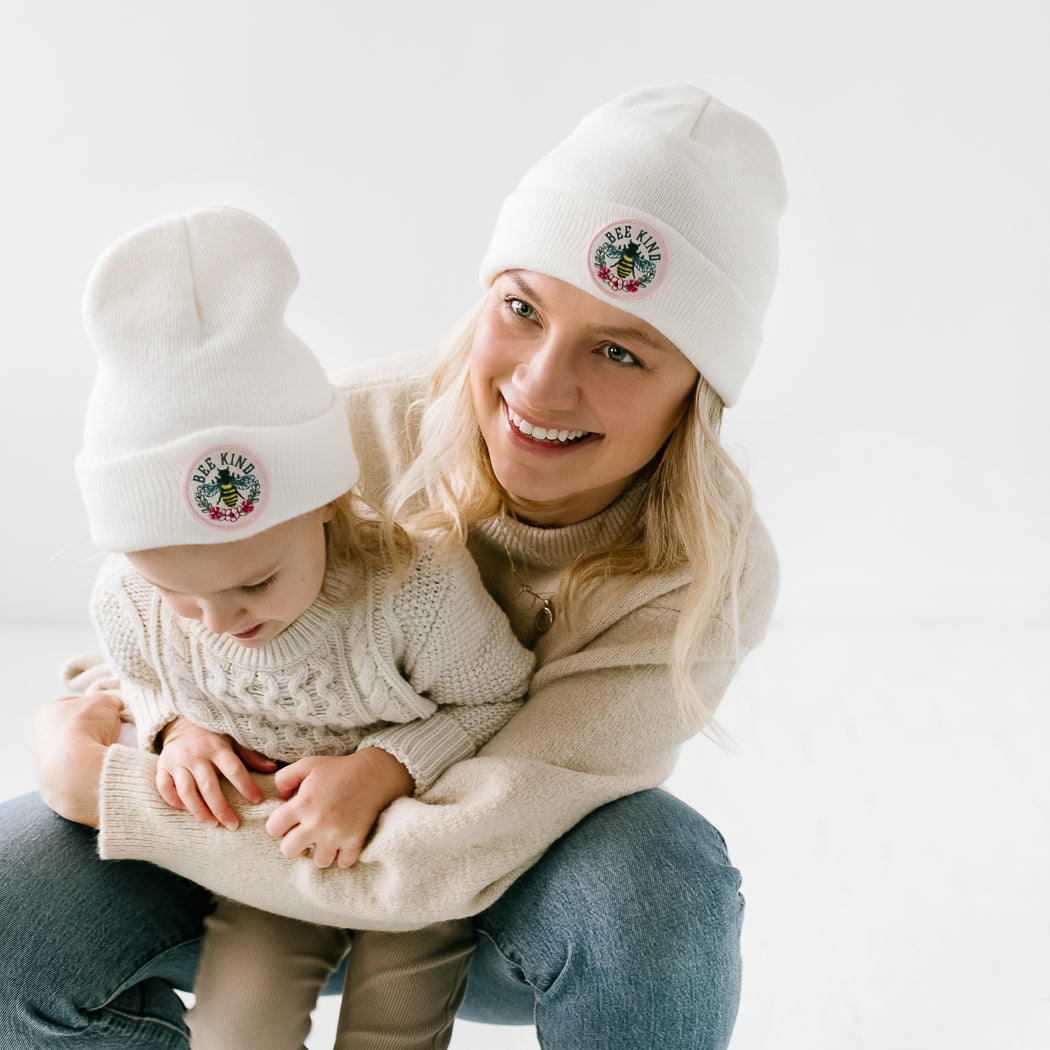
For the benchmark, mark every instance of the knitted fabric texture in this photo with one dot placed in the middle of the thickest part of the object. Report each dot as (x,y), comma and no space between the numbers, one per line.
(429,671)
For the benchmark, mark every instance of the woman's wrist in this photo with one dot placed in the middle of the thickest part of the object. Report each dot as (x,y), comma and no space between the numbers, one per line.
(82,796)
(72,790)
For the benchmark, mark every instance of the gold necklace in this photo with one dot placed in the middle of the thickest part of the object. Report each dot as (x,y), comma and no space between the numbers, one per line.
(545,616)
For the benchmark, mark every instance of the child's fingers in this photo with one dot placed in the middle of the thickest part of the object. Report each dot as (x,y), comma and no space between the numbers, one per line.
(202,795)
(254,760)
(288,779)
(347,858)
(281,821)
(231,767)
(167,790)
(211,792)
(324,855)
(296,843)
(186,786)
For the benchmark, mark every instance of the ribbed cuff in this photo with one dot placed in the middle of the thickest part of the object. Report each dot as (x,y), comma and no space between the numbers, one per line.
(151,711)
(134,821)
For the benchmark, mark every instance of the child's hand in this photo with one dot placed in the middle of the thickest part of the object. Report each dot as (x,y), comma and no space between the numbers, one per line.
(334,804)
(190,764)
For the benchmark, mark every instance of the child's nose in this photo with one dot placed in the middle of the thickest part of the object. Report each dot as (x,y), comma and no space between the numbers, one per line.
(222,615)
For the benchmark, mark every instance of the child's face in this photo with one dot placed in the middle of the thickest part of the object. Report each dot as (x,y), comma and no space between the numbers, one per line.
(249,589)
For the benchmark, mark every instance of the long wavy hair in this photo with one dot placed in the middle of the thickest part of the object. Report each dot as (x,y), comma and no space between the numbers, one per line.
(696,512)
(361,534)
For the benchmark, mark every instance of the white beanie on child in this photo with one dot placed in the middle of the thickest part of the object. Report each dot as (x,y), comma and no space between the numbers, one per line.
(209,420)
(665,203)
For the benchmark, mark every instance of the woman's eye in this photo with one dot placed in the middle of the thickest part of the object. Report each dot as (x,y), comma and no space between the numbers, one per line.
(619,355)
(521,308)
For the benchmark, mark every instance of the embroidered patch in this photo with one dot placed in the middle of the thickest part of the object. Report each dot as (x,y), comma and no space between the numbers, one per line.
(628,259)
(226,486)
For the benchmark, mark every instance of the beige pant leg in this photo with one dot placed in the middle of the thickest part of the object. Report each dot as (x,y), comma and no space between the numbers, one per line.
(403,989)
(259,978)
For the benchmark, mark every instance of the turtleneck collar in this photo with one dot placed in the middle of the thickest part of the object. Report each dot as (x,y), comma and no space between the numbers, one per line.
(544,549)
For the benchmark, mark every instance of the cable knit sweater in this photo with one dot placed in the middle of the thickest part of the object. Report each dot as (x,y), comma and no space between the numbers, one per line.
(600,722)
(428,670)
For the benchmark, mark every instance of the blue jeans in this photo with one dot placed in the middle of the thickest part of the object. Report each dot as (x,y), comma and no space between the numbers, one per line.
(626,934)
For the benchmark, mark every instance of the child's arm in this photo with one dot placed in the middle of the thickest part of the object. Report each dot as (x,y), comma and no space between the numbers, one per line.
(122,604)
(462,657)
(192,761)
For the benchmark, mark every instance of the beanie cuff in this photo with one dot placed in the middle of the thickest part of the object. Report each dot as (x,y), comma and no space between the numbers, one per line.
(173,494)
(694,304)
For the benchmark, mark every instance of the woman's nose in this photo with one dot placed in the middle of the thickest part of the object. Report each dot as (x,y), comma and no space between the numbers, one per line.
(547,377)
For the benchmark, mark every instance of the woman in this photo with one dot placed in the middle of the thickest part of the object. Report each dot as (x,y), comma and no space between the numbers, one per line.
(570,434)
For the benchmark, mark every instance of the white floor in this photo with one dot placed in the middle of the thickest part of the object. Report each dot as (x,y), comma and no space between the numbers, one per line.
(888,802)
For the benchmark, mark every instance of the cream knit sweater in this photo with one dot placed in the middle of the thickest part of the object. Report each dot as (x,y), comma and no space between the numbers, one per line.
(600,722)
(427,670)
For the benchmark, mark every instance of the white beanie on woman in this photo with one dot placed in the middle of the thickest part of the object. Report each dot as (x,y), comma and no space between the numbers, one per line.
(209,420)
(665,203)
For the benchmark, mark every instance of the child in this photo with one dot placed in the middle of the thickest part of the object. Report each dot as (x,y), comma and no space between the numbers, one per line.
(258,613)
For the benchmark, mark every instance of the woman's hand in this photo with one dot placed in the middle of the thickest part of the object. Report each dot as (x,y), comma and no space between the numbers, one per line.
(69,742)
(191,762)
(334,803)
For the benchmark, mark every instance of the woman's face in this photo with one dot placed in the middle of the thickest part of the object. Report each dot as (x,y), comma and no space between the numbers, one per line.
(574,396)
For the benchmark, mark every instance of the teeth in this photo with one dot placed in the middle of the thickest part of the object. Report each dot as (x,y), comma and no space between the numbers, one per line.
(542,433)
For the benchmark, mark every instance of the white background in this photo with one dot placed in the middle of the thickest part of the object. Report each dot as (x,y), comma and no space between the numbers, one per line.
(887,800)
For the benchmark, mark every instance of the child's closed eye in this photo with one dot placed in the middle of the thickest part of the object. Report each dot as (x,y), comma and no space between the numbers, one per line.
(258,588)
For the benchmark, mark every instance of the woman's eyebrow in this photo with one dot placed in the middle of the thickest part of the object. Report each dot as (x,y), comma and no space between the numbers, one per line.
(630,332)
(527,290)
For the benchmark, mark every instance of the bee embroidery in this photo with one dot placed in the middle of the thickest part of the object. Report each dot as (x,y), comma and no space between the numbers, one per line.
(628,262)
(236,492)
(228,486)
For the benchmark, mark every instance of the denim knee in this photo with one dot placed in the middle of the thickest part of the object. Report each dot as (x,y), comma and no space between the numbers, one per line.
(90,950)
(632,918)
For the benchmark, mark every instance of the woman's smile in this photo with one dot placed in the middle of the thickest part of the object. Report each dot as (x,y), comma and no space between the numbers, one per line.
(546,434)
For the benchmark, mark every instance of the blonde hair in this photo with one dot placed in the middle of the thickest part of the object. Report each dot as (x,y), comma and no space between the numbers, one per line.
(696,511)
(358,533)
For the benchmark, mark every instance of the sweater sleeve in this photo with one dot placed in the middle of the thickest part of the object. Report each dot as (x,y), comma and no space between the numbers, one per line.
(461,654)
(121,607)
(599,724)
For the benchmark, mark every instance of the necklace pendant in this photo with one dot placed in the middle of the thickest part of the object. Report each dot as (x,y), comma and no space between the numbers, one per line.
(545,617)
